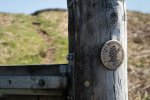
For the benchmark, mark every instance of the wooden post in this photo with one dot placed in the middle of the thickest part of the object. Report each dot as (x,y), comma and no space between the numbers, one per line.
(92,23)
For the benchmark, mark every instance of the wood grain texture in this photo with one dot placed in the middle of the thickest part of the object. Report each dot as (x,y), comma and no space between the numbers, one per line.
(34,70)
(18,97)
(27,97)
(95,23)
(14,78)
(52,98)
(33,92)
(72,46)
(33,82)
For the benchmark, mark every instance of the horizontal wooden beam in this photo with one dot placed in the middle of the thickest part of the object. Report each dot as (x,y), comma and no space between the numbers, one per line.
(34,79)
(33,82)
(32,92)
(34,70)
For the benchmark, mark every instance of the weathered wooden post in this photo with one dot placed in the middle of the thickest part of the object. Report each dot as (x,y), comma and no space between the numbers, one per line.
(98,41)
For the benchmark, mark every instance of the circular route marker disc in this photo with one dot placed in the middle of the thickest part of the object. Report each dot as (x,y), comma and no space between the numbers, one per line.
(112,54)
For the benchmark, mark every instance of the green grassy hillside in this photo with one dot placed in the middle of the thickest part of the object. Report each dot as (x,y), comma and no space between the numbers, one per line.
(41,38)
(27,39)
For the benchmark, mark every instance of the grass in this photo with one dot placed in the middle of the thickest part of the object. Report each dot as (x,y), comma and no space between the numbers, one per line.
(19,42)
(139,39)
(22,43)
(51,23)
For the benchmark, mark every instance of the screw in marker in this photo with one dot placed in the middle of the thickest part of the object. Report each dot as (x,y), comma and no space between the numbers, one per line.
(87,83)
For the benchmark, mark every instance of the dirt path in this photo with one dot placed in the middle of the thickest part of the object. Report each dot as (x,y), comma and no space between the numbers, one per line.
(48,58)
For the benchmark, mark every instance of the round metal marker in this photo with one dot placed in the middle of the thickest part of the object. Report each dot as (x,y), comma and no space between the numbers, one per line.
(112,54)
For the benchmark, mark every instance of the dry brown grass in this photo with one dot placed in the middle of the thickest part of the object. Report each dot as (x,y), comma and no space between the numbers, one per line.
(139,56)
(139,83)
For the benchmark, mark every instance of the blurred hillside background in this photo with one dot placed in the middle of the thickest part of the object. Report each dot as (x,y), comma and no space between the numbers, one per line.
(28,36)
